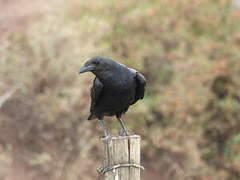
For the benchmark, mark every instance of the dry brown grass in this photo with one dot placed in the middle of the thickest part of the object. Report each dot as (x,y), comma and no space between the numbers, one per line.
(182,48)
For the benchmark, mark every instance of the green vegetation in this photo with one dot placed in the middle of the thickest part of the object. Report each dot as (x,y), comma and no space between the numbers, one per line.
(189,120)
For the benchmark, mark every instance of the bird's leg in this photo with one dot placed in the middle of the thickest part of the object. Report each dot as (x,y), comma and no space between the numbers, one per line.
(124,132)
(106,133)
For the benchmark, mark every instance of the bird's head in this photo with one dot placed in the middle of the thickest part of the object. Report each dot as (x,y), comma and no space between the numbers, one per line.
(97,65)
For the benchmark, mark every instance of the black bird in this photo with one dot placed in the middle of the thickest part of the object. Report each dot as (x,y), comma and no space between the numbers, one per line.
(114,89)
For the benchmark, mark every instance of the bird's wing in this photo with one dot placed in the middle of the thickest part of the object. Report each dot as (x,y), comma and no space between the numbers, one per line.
(96,90)
(140,85)
(140,88)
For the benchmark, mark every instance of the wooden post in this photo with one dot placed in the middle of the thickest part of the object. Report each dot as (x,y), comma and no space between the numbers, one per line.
(121,159)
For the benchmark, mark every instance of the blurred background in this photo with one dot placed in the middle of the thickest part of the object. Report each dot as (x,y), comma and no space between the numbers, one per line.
(189,52)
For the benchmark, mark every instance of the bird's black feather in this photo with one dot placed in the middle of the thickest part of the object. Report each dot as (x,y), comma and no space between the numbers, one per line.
(95,93)
(115,87)
(140,87)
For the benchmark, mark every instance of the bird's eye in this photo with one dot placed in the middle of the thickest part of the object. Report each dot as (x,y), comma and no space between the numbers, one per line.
(95,62)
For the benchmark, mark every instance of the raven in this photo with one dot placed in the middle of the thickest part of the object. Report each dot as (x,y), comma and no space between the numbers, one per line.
(114,89)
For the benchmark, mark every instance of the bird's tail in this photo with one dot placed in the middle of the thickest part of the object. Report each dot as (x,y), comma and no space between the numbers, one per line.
(91,117)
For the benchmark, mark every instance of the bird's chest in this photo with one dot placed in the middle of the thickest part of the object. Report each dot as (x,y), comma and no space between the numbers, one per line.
(118,95)
(118,92)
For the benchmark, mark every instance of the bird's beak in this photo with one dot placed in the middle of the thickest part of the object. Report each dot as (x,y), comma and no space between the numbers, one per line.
(86,69)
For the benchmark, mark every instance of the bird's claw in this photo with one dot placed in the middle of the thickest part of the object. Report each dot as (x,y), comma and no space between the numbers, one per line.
(107,135)
(123,133)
